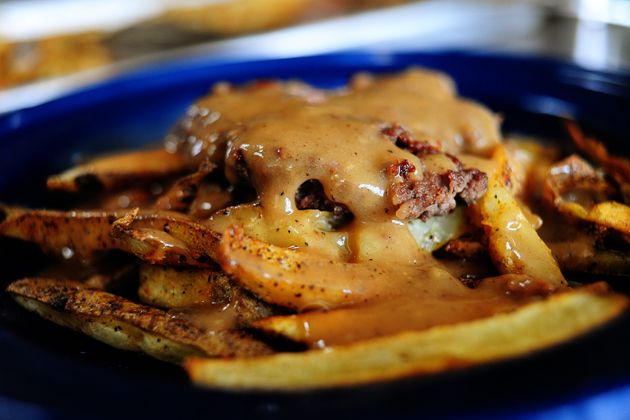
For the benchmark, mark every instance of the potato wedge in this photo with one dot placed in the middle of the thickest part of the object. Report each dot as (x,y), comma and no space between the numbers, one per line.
(127,325)
(141,232)
(120,169)
(578,190)
(343,326)
(66,234)
(513,244)
(612,215)
(300,280)
(167,239)
(174,287)
(169,287)
(531,328)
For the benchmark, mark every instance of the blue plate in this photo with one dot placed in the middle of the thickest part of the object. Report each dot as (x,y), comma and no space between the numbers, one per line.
(47,371)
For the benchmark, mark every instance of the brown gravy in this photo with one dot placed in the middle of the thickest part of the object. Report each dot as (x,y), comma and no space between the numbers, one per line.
(278,140)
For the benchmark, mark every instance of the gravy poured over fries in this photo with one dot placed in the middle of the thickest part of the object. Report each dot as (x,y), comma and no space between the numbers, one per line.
(354,223)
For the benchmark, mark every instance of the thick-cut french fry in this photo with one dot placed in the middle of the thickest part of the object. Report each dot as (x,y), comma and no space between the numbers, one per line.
(145,233)
(167,239)
(300,280)
(173,287)
(611,214)
(120,169)
(348,325)
(128,325)
(310,230)
(67,234)
(513,243)
(317,245)
(169,287)
(533,327)
(576,189)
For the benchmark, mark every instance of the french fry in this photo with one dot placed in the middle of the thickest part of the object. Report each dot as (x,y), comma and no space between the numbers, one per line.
(300,280)
(513,243)
(526,330)
(593,205)
(343,326)
(120,169)
(169,287)
(612,215)
(167,239)
(308,229)
(127,325)
(300,237)
(66,234)
(141,232)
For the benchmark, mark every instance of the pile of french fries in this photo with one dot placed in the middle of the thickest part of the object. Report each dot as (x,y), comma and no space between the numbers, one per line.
(215,296)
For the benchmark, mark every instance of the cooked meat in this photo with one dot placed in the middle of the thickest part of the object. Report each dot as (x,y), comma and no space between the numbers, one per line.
(311,196)
(434,194)
(404,139)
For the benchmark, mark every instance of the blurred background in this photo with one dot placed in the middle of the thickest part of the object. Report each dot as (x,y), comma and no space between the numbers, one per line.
(49,47)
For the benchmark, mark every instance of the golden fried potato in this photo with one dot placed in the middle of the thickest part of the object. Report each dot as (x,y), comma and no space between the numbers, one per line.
(578,190)
(66,234)
(531,328)
(152,235)
(174,287)
(513,243)
(120,169)
(167,239)
(127,325)
(169,287)
(300,280)
(347,325)
(311,230)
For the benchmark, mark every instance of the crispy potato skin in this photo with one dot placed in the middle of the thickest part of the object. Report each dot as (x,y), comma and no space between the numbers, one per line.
(172,239)
(120,169)
(169,287)
(307,248)
(148,234)
(82,232)
(513,244)
(128,325)
(295,279)
(528,329)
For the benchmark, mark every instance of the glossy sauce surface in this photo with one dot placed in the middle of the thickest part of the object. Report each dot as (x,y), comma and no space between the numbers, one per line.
(338,140)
